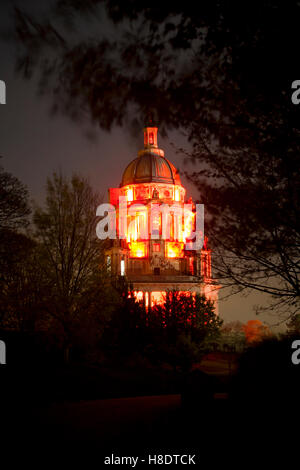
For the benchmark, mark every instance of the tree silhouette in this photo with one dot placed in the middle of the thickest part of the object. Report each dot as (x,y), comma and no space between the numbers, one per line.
(256,331)
(70,254)
(184,326)
(25,289)
(176,332)
(14,212)
(14,206)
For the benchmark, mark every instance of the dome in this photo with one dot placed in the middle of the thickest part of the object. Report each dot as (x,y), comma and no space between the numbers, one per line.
(150,168)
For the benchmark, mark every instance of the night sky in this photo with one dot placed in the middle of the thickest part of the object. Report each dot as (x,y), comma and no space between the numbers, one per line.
(34,144)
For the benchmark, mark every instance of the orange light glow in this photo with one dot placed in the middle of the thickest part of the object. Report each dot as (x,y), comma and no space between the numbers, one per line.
(189,222)
(129,194)
(137,227)
(138,250)
(146,299)
(174,250)
(158,298)
(139,295)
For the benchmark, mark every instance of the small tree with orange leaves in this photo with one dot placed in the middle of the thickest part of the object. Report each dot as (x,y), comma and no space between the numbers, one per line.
(255,331)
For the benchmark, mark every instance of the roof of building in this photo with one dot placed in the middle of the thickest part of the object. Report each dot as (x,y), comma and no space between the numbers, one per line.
(150,167)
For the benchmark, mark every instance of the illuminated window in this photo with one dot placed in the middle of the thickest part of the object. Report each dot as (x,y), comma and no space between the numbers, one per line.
(151,138)
(177,195)
(122,267)
(177,227)
(157,298)
(189,222)
(137,227)
(108,264)
(171,225)
(156,247)
(138,249)
(139,295)
(129,194)
(141,225)
(174,250)
(155,221)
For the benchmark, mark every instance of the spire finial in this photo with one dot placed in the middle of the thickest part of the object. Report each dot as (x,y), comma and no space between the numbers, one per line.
(149,120)
(150,135)
(150,138)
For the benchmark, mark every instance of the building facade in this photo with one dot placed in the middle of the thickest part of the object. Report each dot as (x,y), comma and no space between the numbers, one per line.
(153,223)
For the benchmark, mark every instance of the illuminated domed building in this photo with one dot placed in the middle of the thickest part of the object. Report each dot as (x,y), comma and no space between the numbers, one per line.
(152,246)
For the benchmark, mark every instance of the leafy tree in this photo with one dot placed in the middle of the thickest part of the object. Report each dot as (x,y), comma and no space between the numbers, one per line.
(217,51)
(70,255)
(14,244)
(14,212)
(126,332)
(177,332)
(256,331)
(14,207)
(185,325)
(25,290)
